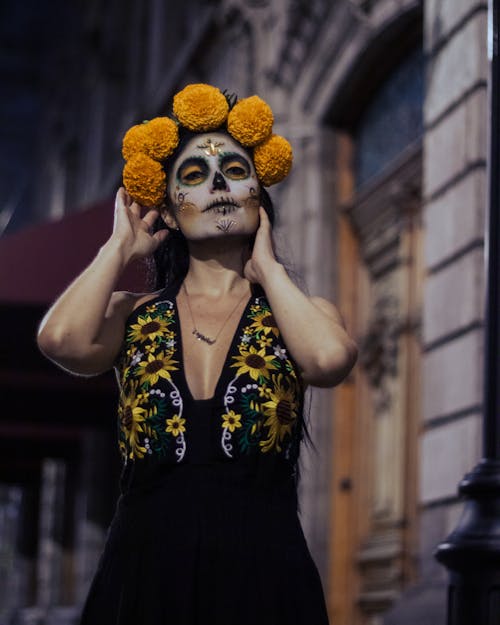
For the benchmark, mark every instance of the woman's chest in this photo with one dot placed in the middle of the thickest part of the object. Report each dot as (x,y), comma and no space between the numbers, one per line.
(206,343)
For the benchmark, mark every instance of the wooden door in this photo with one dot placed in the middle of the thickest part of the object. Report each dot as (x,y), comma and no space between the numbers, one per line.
(376,411)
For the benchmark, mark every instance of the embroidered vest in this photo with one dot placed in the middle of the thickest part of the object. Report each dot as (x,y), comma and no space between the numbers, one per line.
(258,401)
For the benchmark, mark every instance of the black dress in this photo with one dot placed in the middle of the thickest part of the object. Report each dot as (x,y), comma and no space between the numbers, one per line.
(206,530)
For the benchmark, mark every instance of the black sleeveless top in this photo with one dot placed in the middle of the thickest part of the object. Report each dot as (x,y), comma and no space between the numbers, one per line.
(256,409)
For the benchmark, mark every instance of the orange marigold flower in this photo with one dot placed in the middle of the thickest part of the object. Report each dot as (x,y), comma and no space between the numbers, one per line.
(145,180)
(273,160)
(200,107)
(135,140)
(162,137)
(250,121)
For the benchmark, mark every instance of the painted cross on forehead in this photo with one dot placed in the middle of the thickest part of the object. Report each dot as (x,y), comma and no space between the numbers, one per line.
(210,148)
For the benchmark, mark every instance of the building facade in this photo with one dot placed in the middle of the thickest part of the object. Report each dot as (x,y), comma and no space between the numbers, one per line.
(384,102)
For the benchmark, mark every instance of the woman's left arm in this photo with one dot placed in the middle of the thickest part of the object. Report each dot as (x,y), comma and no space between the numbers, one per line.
(312,328)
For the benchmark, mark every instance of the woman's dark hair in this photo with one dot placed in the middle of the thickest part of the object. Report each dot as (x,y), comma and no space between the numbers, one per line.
(170,262)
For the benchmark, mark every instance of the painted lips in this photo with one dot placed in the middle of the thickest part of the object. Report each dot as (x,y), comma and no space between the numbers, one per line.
(222,206)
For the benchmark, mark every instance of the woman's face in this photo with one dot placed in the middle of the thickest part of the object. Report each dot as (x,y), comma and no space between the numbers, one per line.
(214,189)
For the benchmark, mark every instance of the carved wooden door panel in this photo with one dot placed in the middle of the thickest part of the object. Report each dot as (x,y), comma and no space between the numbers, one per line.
(377,409)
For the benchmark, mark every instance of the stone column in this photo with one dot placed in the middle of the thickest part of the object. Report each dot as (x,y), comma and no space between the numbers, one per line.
(454,193)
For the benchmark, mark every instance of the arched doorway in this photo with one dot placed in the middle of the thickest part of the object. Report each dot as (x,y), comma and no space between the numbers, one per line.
(374,498)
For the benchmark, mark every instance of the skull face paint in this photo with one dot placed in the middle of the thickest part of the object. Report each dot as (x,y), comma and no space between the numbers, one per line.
(183,204)
(214,188)
(225,224)
(252,201)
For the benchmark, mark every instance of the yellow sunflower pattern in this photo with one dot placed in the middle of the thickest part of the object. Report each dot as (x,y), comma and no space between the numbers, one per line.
(147,424)
(270,402)
(262,403)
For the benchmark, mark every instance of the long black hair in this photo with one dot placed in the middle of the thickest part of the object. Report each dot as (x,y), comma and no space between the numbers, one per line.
(170,262)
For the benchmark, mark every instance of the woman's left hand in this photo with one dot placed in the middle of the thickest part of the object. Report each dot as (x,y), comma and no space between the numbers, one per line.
(311,327)
(262,259)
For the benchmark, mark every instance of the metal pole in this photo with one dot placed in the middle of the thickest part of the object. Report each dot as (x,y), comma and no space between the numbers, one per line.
(491,434)
(472,551)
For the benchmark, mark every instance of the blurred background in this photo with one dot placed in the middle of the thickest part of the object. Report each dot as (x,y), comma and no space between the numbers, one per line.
(384,102)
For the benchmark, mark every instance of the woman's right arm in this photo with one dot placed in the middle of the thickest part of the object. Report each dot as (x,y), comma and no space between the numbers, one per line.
(83,330)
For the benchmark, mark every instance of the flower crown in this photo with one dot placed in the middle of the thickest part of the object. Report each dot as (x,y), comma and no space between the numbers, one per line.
(201,108)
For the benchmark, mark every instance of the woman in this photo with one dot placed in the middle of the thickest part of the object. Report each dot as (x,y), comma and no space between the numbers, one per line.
(211,368)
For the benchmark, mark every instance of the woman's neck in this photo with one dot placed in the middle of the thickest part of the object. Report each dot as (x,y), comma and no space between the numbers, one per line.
(216,266)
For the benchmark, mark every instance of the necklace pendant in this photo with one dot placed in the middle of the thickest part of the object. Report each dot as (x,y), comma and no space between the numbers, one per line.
(202,337)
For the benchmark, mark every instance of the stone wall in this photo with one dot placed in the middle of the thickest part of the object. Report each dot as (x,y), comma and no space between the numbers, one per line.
(454,204)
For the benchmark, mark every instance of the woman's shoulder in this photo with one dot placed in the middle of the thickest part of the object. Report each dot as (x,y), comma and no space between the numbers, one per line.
(127,301)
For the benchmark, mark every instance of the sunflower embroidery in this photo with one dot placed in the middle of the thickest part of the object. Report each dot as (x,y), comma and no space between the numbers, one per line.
(254,362)
(270,397)
(151,412)
(148,328)
(264,321)
(281,411)
(175,425)
(132,417)
(231,420)
(156,366)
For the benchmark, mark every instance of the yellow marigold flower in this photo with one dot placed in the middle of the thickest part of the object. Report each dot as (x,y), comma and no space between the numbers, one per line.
(135,140)
(273,160)
(145,180)
(250,121)
(231,420)
(200,107)
(162,137)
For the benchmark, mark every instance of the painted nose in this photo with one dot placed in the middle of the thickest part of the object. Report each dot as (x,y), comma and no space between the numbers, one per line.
(219,183)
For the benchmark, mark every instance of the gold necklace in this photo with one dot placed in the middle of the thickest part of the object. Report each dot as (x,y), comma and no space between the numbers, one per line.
(199,335)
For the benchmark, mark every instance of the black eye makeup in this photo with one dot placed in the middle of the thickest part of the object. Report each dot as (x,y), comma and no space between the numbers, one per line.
(192,171)
(235,166)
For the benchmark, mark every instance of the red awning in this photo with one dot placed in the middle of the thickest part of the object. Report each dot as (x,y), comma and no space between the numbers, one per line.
(39,262)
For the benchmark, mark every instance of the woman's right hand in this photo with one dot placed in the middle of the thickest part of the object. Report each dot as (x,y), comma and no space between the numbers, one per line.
(132,232)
